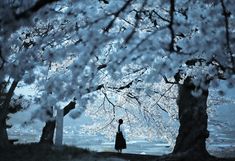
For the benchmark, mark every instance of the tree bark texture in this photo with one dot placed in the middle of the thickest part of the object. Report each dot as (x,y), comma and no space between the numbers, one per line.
(3,134)
(191,139)
(4,110)
(49,128)
(48,132)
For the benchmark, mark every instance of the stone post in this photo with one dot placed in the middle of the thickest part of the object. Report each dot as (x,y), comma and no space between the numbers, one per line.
(59,127)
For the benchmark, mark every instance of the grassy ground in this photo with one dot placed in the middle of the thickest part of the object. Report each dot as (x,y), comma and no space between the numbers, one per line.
(39,152)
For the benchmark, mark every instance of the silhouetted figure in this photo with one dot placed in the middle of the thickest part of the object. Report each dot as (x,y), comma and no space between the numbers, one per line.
(120,142)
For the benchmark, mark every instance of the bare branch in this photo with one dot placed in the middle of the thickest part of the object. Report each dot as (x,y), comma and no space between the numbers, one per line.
(167,90)
(130,95)
(167,81)
(114,112)
(116,14)
(113,105)
(128,38)
(162,18)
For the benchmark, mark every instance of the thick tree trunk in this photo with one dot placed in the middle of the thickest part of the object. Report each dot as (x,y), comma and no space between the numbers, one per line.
(4,110)
(49,129)
(48,132)
(3,134)
(191,139)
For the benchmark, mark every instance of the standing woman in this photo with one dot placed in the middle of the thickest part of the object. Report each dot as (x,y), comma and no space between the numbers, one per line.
(120,142)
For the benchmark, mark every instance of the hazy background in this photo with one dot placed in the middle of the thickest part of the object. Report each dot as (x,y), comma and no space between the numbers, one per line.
(221,141)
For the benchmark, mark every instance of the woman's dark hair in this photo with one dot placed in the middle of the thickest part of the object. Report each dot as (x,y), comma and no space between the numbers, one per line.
(120,121)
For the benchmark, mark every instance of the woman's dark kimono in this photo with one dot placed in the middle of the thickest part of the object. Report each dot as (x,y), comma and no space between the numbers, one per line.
(120,142)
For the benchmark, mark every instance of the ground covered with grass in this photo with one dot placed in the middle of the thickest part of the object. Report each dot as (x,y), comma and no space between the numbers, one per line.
(42,152)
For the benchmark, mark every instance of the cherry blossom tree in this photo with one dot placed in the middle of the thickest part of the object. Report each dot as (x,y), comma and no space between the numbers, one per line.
(13,16)
(177,47)
(189,43)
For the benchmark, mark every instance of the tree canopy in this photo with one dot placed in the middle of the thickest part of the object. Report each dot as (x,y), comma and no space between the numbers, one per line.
(73,49)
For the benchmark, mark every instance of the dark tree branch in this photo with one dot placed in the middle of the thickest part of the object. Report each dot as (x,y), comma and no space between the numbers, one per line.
(69,107)
(10,93)
(162,18)
(226,15)
(3,61)
(114,111)
(172,10)
(116,14)
(128,38)
(99,87)
(130,95)
(192,62)
(167,81)
(125,86)
(38,5)
(101,105)
(105,126)
(101,66)
(161,107)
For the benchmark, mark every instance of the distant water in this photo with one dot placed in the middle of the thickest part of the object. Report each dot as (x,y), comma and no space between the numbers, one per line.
(139,146)
(96,142)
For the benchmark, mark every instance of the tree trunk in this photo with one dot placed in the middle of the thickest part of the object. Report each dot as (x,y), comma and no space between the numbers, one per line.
(3,134)
(48,132)
(191,139)
(4,110)
(49,129)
